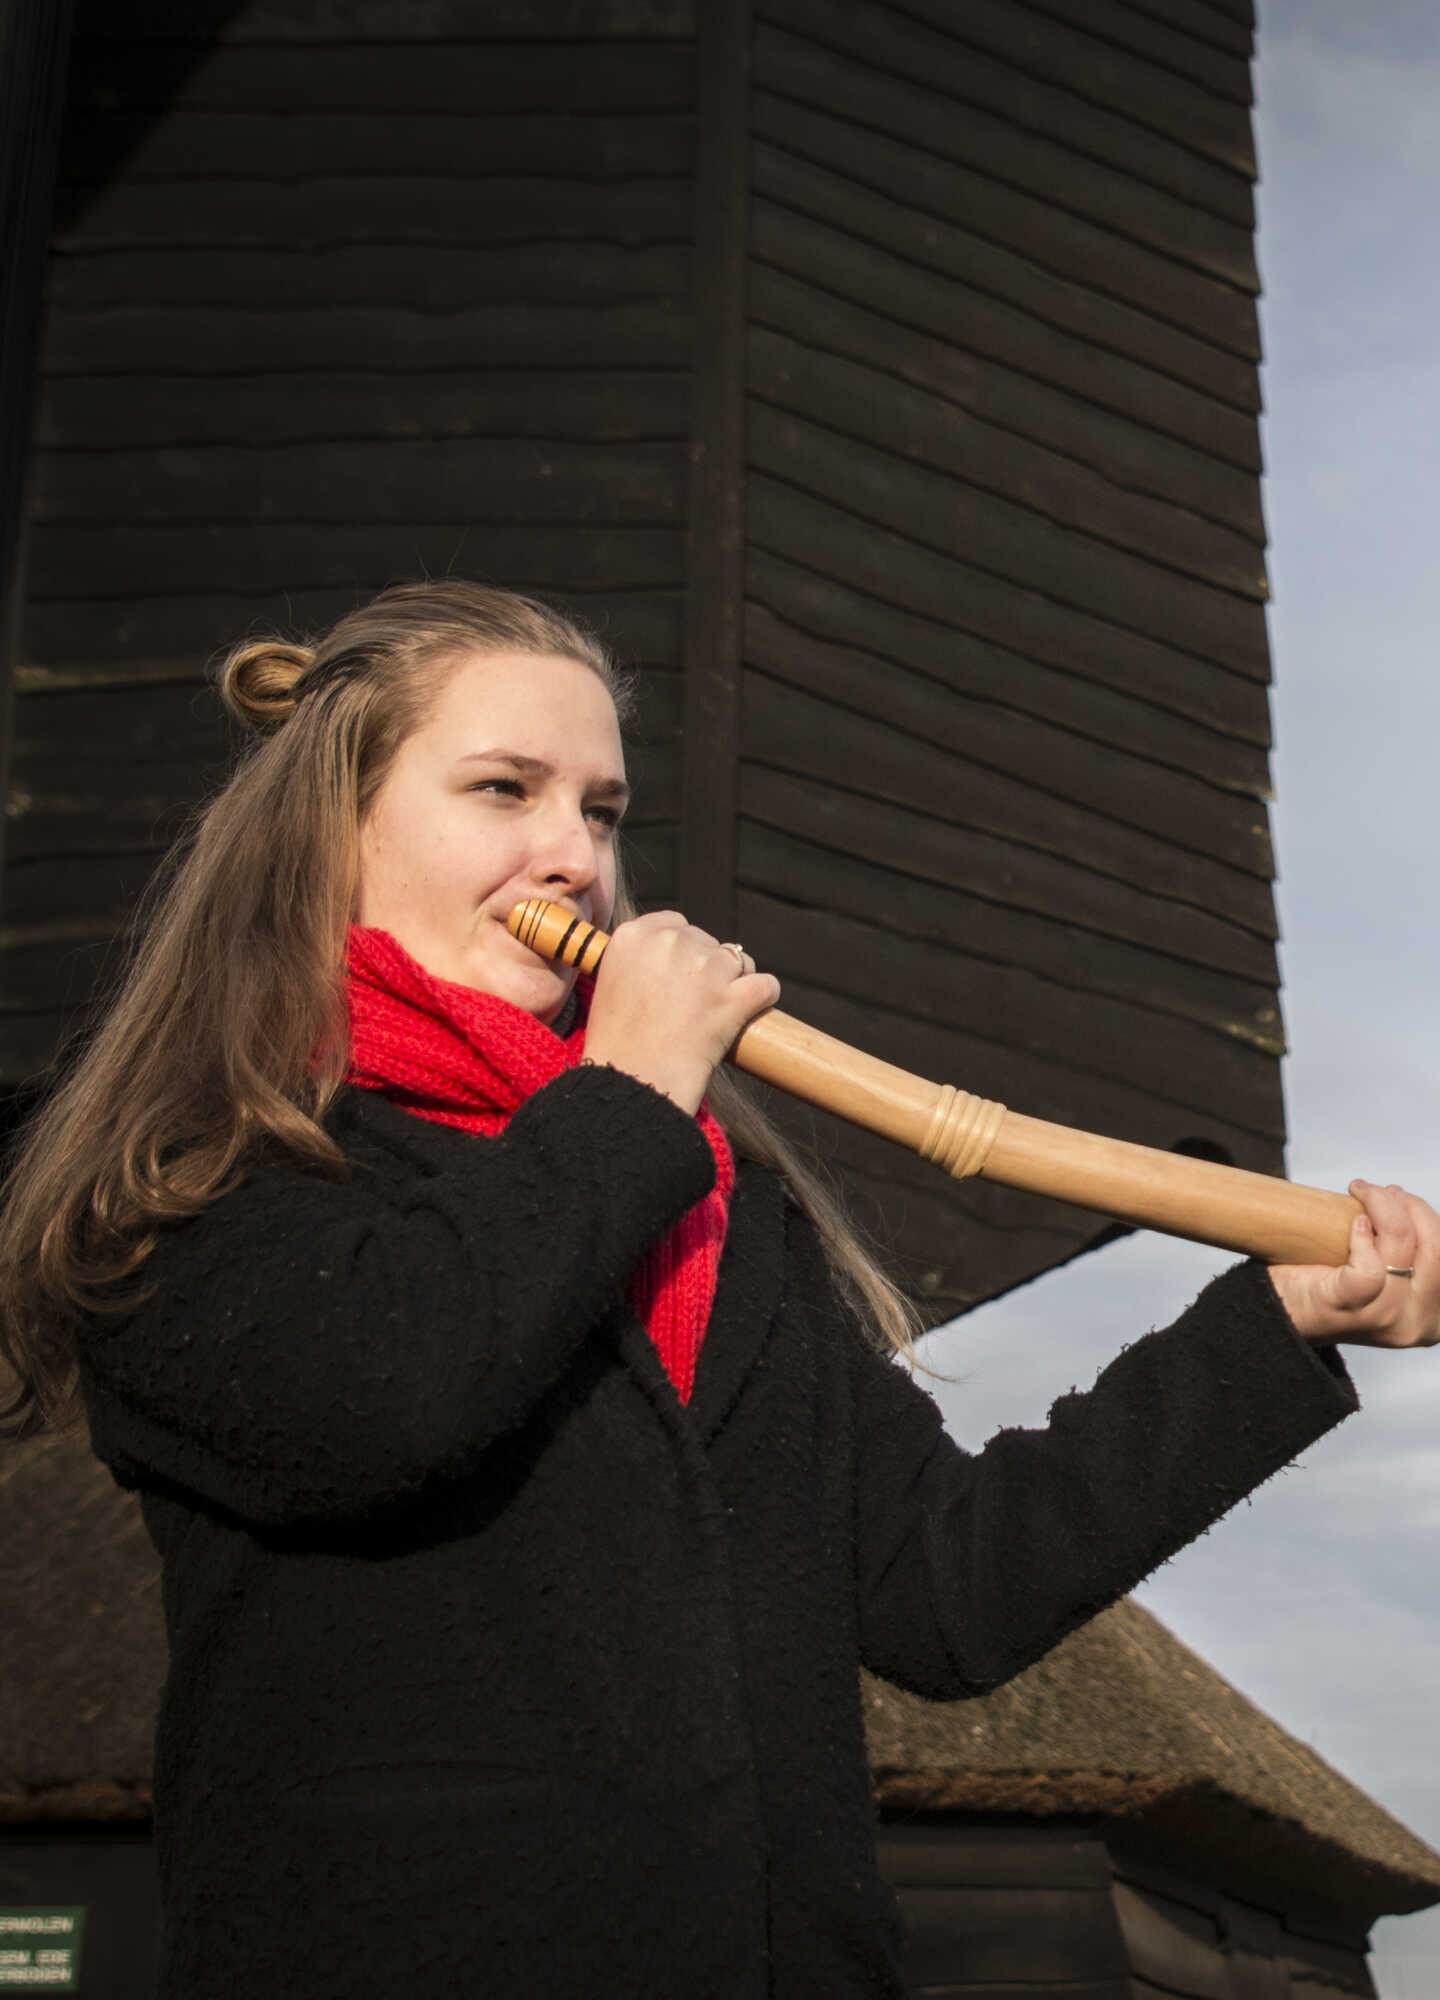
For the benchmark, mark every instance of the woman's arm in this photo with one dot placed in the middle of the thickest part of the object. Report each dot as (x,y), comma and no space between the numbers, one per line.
(971,1567)
(316,1349)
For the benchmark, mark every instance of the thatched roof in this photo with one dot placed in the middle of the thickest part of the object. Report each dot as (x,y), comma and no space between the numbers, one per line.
(1125,1723)
(1121,1722)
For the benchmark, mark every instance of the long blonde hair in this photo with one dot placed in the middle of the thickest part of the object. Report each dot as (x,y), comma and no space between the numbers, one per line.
(228,1030)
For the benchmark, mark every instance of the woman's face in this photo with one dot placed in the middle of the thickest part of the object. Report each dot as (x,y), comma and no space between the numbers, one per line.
(512,787)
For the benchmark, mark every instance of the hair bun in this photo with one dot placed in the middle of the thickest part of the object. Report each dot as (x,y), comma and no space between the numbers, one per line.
(257,681)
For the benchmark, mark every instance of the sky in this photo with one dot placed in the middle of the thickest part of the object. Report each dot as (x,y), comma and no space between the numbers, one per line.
(1317,1599)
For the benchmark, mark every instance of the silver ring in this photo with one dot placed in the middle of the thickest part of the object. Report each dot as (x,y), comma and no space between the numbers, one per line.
(739,951)
(1399,1270)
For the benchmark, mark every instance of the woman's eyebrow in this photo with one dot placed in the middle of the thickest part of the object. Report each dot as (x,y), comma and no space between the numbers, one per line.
(536,767)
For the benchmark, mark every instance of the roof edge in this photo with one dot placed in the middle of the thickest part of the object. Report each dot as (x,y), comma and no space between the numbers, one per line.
(1191,1818)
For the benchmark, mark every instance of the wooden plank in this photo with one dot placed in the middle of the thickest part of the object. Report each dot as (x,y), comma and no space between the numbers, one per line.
(54,826)
(953,1243)
(1236,10)
(1185,42)
(124,728)
(1323,1972)
(899,572)
(987,926)
(716,538)
(1131,456)
(1034,41)
(1113,1040)
(892,40)
(1001,868)
(1087,281)
(469,79)
(478,479)
(1172,1944)
(58,810)
(98,884)
(52,968)
(31,678)
(1158,797)
(1041,1935)
(525,274)
(391,339)
(650,866)
(1228,27)
(1039,1082)
(657,690)
(1209,951)
(900,1178)
(794,732)
(1003,180)
(642,627)
(59,977)
(848,242)
(28,1045)
(940,1241)
(372,210)
(916,424)
(34,56)
(260,145)
(950,1853)
(348,21)
(586,406)
(796,611)
(941,513)
(74,560)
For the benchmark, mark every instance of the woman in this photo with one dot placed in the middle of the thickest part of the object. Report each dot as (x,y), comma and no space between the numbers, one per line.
(525,1450)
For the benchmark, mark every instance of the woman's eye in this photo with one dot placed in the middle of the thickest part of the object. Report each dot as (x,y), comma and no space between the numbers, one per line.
(509,788)
(608,816)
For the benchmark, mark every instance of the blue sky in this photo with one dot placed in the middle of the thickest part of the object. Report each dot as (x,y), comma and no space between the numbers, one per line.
(1317,1599)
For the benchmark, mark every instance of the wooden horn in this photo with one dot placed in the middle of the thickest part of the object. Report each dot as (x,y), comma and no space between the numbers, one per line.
(1258,1215)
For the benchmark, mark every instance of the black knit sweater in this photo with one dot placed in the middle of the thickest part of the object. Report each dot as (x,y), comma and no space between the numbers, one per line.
(495,1670)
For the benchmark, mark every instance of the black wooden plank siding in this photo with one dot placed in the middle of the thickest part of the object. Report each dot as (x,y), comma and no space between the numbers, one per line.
(897,44)
(918,476)
(1004,181)
(330,21)
(314,324)
(1004,726)
(1063,1908)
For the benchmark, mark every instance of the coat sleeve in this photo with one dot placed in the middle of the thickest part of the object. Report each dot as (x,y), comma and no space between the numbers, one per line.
(314,1349)
(972,1566)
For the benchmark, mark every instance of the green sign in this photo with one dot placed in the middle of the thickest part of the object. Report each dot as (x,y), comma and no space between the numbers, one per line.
(41,1948)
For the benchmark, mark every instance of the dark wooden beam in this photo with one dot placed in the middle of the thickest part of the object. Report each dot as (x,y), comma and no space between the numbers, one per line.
(34,55)
(717,454)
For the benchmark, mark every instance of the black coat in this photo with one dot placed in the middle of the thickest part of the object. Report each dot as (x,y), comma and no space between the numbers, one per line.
(495,1670)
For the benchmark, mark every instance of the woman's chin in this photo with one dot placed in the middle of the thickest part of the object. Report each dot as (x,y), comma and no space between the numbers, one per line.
(539,991)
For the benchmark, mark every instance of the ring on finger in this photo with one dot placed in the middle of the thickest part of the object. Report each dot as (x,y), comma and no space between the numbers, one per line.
(1399,1270)
(739,951)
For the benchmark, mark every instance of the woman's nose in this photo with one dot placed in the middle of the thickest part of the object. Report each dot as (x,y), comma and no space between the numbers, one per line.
(566,851)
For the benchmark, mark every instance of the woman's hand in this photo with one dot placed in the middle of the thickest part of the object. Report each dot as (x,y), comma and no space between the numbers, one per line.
(669,1001)
(1361,1301)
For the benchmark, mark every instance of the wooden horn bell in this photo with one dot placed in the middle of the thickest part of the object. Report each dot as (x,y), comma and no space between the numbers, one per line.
(1257,1215)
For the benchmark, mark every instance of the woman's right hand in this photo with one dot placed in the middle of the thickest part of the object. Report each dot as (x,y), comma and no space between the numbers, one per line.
(669,1001)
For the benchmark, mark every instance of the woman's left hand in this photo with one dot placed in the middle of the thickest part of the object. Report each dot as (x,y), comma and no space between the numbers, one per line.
(1363,1301)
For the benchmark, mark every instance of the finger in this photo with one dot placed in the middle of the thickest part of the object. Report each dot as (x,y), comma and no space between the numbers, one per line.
(1390,1211)
(1360,1280)
(754,993)
(1427,1240)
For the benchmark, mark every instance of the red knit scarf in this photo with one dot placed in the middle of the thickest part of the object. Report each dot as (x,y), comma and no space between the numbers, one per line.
(459,1057)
